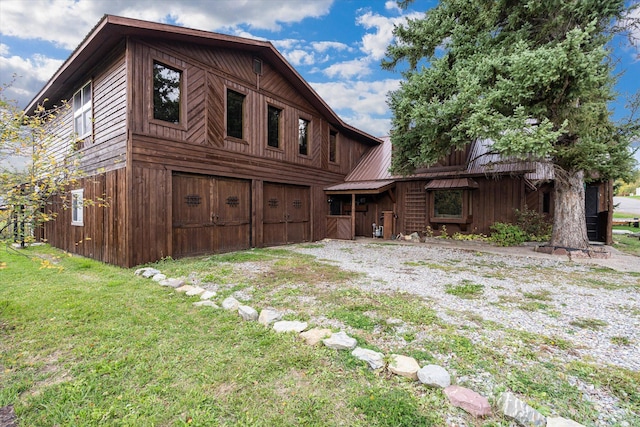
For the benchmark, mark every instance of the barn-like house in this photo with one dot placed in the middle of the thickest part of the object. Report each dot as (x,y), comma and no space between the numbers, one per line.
(198,142)
(204,143)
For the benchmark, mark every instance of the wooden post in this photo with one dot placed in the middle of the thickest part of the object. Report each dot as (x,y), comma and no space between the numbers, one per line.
(353,216)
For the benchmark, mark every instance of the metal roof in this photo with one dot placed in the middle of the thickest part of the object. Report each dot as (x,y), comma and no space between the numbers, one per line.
(361,187)
(372,172)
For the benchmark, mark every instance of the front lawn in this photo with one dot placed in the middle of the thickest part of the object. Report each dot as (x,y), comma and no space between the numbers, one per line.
(83,343)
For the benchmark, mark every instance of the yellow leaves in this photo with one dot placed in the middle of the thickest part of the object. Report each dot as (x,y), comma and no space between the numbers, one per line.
(46,264)
(3,265)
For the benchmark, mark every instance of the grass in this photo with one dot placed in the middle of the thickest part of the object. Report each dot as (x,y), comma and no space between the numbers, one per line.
(83,343)
(465,289)
(589,323)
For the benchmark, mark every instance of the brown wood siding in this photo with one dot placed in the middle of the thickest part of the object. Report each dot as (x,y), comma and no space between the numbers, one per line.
(108,150)
(102,236)
(149,215)
(207,75)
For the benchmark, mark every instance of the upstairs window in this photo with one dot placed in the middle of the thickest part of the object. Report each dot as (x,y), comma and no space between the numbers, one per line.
(303,136)
(273,126)
(77,207)
(235,114)
(167,84)
(82,123)
(333,146)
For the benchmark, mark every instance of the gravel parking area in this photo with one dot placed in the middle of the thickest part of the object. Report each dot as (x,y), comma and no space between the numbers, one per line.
(593,304)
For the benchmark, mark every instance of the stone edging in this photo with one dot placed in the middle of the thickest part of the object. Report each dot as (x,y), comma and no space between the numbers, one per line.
(430,375)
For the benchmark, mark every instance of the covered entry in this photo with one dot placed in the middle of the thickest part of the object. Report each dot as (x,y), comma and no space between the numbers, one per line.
(286,214)
(210,214)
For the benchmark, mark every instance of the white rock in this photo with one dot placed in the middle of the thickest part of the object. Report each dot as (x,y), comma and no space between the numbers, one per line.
(289,326)
(158,277)
(523,414)
(268,316)
(184,288)
(197,290)
(340,341)
(435,376)
(562,422)
(146,272)
(206,303)
(207,295)
(230,303)
(172,283)
(404,366)
(247,313)
(315,335)
(373,358)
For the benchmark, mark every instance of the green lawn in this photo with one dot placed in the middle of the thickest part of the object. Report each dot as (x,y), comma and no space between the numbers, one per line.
(86,344)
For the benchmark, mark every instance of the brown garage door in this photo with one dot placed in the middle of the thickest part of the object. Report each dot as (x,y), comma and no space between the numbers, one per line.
(285,214)
(210,214)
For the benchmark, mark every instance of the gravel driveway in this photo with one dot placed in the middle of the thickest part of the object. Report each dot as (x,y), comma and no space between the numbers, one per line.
(594,304)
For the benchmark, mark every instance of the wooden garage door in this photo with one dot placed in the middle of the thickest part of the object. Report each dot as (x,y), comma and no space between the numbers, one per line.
(210,214)
(286,216)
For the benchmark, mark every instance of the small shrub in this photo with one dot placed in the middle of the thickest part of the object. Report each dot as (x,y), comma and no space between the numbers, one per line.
(508,234)
(535,224)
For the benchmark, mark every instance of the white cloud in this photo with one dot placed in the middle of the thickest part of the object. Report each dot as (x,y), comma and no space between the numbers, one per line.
(361,104)
(358,67)
(66,22)
(392,5)
(324,46)
(30,75)
(299,57)
(4,49)
(375,44)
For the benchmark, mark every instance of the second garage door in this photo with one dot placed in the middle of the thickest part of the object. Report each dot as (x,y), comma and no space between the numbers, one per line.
(286,217)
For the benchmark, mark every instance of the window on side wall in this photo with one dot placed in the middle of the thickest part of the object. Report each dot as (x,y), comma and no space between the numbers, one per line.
(82,112)
(303,136)
(167,85)
(77,207)
(235,114)
(451,206)
(273,126)
(333,146)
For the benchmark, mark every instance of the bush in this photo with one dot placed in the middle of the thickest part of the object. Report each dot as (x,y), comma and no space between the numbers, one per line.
(508,234)
(535,224)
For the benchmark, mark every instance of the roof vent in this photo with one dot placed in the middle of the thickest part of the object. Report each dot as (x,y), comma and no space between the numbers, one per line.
(257,66)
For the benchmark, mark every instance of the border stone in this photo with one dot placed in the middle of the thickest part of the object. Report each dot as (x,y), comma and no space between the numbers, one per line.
(195,291)
(562,422)
(206,303)
(289,326)
(268,316)
(404,366)
(230,303)
(340,341)
(315,335)
(184,288)
(373,358)
(207,294)
(434,376)
(247,313)
(516,409)
(468,400)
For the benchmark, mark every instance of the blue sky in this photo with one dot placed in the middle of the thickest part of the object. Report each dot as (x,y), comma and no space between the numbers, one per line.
(336,45)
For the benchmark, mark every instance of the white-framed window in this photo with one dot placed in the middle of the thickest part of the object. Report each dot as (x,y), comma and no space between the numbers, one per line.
(77,207)
(82,123)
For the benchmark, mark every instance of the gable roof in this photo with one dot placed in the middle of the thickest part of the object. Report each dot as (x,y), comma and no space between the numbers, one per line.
(111,30)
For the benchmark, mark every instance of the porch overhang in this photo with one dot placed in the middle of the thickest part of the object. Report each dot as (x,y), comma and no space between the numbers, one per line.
(361,187)
(451,184)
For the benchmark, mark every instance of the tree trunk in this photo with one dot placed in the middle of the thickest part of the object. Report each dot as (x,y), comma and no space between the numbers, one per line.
(569,222)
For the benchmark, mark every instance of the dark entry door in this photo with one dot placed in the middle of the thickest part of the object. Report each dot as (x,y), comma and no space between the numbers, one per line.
(210,214)
(591,203)
(286,217)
